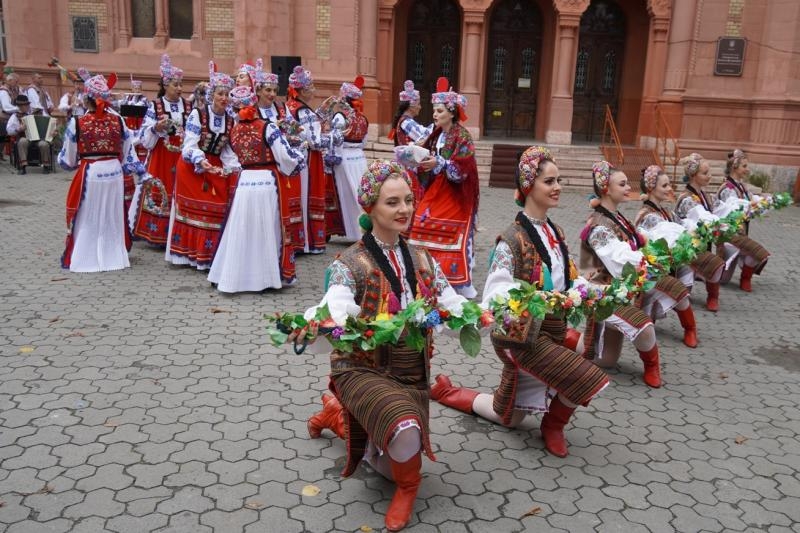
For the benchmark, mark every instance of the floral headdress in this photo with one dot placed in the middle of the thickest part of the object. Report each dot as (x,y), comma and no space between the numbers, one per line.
(371,181)
(446,96)
(691,164)
(216,80)
(168,71)
(735,159)
(529,165)
(409,94)
(98,87)
(650,177)
(300,78)
(265,78)
(352,90)
(243,96)
(601,175)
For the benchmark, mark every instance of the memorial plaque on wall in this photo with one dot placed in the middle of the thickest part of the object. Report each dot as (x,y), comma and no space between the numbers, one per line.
(729,60)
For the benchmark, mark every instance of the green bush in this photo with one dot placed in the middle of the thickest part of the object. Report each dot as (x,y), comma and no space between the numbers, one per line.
(760,179)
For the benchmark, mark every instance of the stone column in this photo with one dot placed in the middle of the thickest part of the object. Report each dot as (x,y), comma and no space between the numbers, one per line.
(161,36)
(559,120)
(385,67)
(655,66)
(471,63)
(367,59)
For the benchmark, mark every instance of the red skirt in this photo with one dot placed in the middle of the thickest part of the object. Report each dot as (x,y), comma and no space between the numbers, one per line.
(152,214)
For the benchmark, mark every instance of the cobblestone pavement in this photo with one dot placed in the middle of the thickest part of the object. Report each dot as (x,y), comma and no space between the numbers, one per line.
(144,400)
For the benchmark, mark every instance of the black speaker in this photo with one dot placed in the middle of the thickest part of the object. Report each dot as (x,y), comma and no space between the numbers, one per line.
(283,66)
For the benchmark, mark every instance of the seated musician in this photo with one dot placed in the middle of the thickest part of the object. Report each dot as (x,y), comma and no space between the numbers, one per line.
(17,127)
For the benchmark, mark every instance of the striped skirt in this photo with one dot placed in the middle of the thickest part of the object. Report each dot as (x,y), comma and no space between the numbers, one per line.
(668,291)
(626,320)
(751,248)
(708,265)
(378,399)
(561,369)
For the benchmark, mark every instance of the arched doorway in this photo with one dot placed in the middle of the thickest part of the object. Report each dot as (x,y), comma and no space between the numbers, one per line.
(512,69)
(598,69)
(433,48)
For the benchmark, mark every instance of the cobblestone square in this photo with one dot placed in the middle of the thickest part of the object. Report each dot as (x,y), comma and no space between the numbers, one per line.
(144,400)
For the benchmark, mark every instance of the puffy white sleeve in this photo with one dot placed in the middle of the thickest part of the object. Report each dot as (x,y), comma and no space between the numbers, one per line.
(612,252)
(728,205)
(415,130)
(14,126)
(6,104)
(130,161)
(190,151)
(230,161)
(654,227)
(289,160)
(312,129)
(340,295)
(500,279)
(149,136)
(33,97)
(63,104)
(68,156)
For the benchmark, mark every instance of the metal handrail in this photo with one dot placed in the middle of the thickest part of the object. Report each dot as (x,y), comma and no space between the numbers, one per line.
(665,140)
(609,127)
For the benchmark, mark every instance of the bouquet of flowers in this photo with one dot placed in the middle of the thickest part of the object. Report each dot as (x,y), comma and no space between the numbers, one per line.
(359,333)
(574,304)
(291,129)
(759,207)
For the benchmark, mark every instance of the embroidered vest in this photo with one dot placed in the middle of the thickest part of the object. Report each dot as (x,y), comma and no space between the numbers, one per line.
(99,135)
(357,128)
(210,142)
(43,96)
(247,140)
(400,136)
(295,106)
(161,112)
(527,261)
(737,186)
(12,95)
(647,210)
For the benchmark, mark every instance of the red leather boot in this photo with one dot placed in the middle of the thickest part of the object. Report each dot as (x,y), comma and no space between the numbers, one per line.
(747,275)
(689,327)
(712,302)
(571,339)
(552,427)
(407,477)
(652,369)
(458,398)
(331,417)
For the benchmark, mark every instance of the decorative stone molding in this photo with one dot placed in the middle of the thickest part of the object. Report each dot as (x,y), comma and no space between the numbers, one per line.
(575,7)
(659,8)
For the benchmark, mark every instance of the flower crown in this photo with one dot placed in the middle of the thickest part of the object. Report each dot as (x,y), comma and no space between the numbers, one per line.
(529,163)
(243,96)
(736,158)
(691,164)
(217,79)
(409,94)
(97,86)
(352,90)
(168,71)
(265,78)
(601,174)
(650,177)
(371,181)
(446,96)
(300,78)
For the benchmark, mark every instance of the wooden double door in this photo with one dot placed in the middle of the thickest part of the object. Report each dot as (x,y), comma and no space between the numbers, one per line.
(598,69)
(512,69)
(433,48)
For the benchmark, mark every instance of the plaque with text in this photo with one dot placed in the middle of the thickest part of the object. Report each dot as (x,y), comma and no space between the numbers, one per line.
(729,60)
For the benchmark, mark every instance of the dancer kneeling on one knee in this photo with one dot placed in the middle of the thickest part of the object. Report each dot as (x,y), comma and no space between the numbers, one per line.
(383,395)
(536,365)
(609,241)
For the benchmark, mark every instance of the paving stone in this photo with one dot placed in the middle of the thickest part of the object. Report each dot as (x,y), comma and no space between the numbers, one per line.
(96,503)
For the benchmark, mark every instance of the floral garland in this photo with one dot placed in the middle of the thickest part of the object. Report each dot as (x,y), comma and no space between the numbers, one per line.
(575,304)
(291,129)
(362,334)
(178,129)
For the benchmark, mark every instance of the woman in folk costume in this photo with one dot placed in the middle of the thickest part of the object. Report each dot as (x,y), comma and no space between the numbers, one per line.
(274,112)
(655,222)
(406,130)
(382,397)
(314,180)
(99,147)
(202,179)
(254,253)
(734,190)
(609,241)
(134,99)
(695,205)
(246,76)
(162,134)
(351,163)
(444,222)
(536,365)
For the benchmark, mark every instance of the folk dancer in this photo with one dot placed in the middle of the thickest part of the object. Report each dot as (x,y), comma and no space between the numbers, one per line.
(202,179)
(444,222)
(254,254)
(405,128)
(99,147)
(382,397)
(162,135)
(537,367)
(41,103)
(609,241)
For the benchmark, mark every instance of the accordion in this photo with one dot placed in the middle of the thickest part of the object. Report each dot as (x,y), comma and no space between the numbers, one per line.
(39,128)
